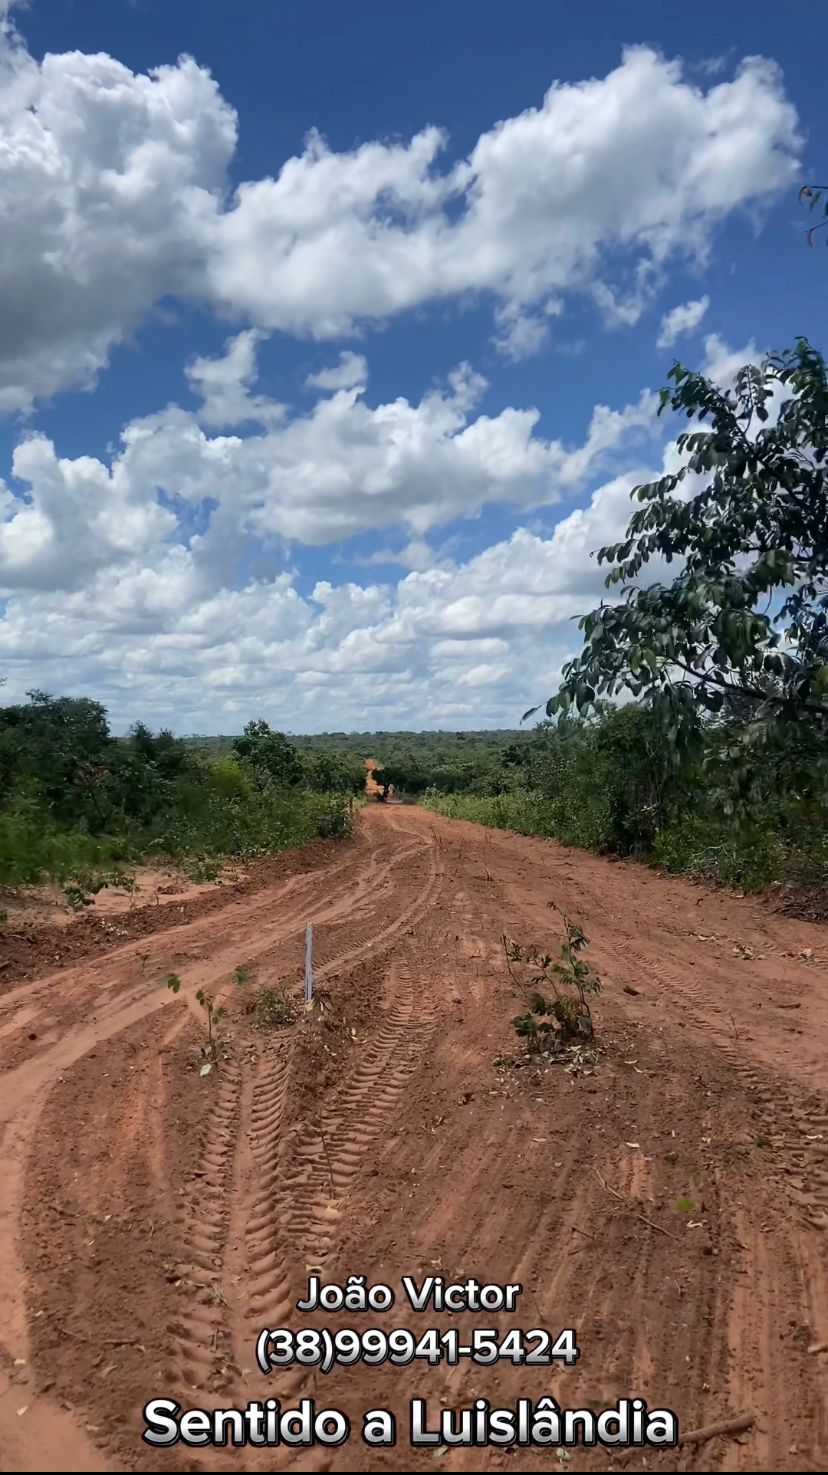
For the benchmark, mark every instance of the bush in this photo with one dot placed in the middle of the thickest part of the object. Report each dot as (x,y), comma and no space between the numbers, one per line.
(75,801)
(611,784)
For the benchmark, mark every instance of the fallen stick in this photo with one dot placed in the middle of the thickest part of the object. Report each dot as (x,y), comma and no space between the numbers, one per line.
(721,1426)
(708,1431)
(608,1186)
(659,1227)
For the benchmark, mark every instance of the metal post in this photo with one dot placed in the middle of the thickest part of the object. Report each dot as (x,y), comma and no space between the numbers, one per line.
(308,963)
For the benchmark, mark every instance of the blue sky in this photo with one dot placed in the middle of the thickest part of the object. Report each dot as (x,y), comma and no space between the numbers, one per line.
(482,242)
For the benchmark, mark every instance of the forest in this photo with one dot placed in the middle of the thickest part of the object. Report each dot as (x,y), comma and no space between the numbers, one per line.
(689,733)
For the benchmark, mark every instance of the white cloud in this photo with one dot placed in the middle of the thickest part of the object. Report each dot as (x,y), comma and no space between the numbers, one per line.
(681,320)
(113,196)
(156,643)
(639,162)
(108,182)
(351,370)
(722,362)
(153,628)
(343,468)
(224,385)
(455,644)
(521,334)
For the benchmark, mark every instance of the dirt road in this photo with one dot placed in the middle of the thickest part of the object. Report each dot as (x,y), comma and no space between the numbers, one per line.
(152,1222)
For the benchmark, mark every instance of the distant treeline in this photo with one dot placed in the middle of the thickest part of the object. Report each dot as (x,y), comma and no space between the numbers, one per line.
(610,783)
(77,803)
(387,747)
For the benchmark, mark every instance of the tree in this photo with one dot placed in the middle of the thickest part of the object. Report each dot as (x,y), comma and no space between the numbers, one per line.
(743,626)
(58,748)
(402,774)
(270,754)
(333,773)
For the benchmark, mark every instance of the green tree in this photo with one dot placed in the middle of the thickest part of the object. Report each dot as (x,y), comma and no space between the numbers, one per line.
(741,631)
(269,754)
(57,749)
(333,773)
(403,774)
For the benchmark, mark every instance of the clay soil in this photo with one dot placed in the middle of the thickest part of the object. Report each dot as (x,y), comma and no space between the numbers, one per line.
(153,1221)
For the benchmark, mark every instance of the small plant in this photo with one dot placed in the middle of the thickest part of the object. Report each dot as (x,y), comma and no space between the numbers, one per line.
(685,1204)
(565,1017)
(198,868)
(215,1014)
(242,976)
(214,1017)
(274,1009)
(82,891)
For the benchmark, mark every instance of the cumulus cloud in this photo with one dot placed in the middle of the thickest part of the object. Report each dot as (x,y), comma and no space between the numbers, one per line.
(467,643)
(522,334)
(224,385)
(156,626)
(108,182)
(113,196)
(639,162)
(681,320)
(351,370)
(343,468)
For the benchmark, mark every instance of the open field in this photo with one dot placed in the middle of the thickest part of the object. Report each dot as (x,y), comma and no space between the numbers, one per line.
(153,1222)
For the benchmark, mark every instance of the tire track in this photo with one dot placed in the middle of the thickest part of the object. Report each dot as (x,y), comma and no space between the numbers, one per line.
(194,1333)
(330,1153)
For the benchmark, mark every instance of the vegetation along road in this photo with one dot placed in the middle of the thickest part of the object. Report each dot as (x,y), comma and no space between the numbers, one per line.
(154,1219)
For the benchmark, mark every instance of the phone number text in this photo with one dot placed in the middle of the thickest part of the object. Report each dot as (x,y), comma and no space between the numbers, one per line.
(325,1349)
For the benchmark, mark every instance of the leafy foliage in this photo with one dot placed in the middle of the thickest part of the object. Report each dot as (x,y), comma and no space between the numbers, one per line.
(741,632)
(86,887)
(273,1008)
(269,755)
(566,1016)
(79,805)
(609,782)
(215,1013)
(816,196)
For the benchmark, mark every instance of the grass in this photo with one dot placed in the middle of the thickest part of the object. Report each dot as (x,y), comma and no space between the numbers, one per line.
(273,1008)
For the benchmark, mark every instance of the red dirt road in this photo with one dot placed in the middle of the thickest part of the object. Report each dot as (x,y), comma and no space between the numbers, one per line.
(152,1222)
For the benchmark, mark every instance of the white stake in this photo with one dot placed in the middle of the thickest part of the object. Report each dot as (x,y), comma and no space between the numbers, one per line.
(308,963)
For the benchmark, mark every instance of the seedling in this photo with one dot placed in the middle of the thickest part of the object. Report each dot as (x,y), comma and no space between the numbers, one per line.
(210,1051)
(566,1016)
(214,1017)
(685,1204)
